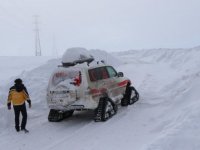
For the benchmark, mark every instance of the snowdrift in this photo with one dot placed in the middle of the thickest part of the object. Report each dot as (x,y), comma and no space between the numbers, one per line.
(170,81)
(78,53)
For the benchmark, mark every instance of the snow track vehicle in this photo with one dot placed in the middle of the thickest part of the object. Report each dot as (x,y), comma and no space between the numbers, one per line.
(85,84)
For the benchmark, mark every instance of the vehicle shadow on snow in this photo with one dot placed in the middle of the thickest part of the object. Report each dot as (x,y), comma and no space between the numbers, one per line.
(83,116)
(87,116)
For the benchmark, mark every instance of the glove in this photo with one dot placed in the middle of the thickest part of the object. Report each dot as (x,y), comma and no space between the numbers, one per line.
(9,106)
(29,103)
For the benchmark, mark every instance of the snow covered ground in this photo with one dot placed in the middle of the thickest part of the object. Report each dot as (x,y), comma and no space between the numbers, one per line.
(166,117)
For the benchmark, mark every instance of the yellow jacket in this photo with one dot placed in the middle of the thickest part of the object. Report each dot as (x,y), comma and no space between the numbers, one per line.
(17,98)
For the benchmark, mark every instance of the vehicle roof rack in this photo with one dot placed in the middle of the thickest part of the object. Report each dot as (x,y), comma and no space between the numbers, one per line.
(80,61)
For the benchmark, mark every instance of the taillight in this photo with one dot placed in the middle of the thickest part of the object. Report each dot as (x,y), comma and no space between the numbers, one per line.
(78,80)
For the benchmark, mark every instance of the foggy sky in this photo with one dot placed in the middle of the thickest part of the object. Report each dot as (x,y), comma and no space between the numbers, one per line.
(112,25)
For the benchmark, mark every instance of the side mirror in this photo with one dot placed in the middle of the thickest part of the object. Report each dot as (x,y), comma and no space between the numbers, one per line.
(120,74)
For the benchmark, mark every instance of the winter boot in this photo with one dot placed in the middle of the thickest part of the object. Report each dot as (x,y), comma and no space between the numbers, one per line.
(25,130)
(17,128)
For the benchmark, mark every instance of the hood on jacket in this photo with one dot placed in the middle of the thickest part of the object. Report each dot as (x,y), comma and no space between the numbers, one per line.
(19,87)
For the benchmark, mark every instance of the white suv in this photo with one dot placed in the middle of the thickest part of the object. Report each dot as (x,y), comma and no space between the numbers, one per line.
(83,86)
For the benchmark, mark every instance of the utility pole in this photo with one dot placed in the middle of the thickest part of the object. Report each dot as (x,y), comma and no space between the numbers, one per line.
(37,38)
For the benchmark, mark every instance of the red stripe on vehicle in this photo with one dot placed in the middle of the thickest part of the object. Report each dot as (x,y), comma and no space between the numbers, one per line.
(123,83)
(98,91)
(94,91)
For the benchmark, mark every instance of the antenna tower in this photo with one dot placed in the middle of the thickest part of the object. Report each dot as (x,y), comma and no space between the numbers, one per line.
(37,38)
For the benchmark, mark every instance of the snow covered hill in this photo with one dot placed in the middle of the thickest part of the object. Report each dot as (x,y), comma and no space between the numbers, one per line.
(166,117)
(13,66)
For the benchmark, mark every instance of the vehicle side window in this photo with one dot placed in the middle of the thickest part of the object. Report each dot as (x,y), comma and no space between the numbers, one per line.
(103,73)
(93,74)
(98,74)
(111,71)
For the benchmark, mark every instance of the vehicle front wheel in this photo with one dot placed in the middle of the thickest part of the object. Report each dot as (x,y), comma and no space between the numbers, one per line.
(130,97)
(134,96)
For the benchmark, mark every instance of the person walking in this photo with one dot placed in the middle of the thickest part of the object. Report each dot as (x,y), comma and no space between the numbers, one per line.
(18,94)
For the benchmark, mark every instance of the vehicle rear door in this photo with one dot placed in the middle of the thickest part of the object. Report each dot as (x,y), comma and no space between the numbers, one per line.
(100,77)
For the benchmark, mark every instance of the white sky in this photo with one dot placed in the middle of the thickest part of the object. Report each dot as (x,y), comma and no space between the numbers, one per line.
(112,25)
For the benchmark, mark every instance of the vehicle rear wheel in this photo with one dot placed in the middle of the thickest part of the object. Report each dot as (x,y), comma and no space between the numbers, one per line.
(105,110)
(55,115)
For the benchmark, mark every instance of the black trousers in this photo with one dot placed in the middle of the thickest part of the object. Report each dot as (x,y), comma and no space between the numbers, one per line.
(20,109)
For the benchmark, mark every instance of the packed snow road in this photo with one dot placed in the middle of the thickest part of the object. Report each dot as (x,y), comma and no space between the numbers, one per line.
(166,116)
